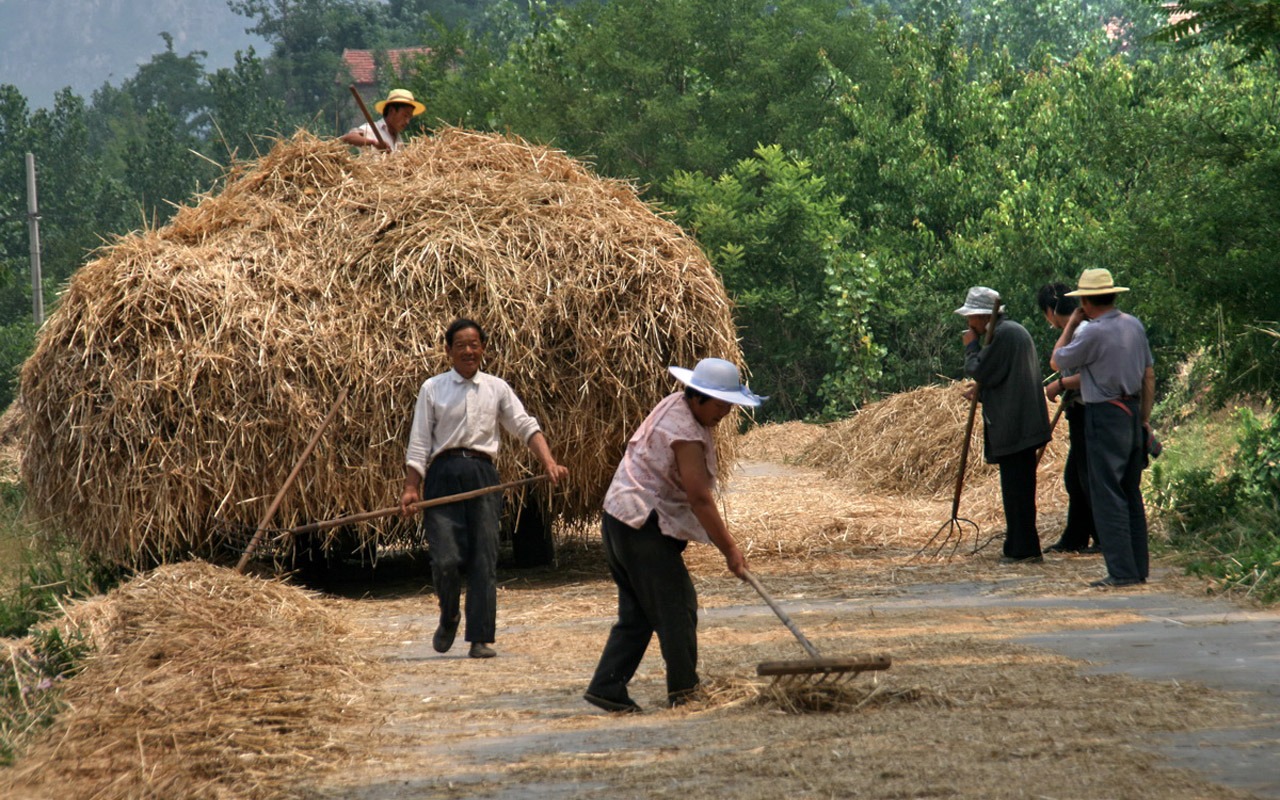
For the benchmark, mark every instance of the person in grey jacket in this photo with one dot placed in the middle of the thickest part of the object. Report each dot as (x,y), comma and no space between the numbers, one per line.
(1015,419)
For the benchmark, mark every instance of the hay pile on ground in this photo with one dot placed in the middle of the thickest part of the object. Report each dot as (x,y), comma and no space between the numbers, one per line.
(186,368)
(910,444)
(204,684)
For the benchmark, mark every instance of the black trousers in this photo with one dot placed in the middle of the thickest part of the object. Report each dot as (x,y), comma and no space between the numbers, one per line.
(655,595)
(463,541)
(1018,491)
(1116,460)
(1080,530)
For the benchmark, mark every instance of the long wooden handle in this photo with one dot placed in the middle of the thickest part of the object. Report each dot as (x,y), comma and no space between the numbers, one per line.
(782,615)
(421,504)
(1057,415)
(297,467)
(363,110)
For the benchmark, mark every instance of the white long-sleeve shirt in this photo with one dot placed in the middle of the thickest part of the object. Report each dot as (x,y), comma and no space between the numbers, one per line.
(453,411)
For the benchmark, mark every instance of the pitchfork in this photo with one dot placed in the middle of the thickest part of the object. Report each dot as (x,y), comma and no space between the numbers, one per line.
(815,670)
(954,527)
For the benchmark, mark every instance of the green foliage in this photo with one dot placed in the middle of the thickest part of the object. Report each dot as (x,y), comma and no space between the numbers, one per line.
(650,88)
(1031,29)
(1252,25)
(1224,514)
(17,340)
(29,691)
(779,241)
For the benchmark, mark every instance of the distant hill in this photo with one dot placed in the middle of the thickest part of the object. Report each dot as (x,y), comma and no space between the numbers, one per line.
(46,45)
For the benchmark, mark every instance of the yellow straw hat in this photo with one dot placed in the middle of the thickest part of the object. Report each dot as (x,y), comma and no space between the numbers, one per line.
(400,96)
(1096,281)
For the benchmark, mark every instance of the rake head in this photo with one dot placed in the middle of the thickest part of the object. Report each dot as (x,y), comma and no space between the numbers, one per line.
(808,672)
(948,538)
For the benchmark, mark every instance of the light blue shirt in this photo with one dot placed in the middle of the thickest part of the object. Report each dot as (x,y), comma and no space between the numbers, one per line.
(1111,355)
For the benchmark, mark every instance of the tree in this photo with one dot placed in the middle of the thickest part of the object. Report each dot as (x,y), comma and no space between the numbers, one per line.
(777,237)
(1252,25)
(646,89)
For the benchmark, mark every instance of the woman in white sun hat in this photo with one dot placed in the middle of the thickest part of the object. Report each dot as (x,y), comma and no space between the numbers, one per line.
(396,111)
(661,498)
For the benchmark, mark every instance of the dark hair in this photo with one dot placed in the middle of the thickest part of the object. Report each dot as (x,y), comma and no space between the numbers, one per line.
(389,107)
(1054,296)
(461,324)
(691,393)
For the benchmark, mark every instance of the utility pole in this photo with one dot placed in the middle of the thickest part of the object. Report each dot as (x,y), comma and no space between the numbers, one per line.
(33,225)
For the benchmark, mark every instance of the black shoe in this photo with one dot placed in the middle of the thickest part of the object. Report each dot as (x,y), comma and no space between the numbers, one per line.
(1110,582)
(443,639)
(1027,560)
(482,650)
(624,706)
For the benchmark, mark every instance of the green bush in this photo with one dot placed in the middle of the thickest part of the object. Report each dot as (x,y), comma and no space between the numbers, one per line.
(1225,518)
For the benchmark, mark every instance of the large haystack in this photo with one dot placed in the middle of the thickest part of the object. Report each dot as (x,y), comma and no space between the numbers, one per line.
(186,368)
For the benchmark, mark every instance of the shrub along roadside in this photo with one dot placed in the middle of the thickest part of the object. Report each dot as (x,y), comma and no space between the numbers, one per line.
(1218,497)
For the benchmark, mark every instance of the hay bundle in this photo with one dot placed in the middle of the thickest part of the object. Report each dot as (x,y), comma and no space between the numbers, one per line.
(187,367)
(908,444)
(203,684)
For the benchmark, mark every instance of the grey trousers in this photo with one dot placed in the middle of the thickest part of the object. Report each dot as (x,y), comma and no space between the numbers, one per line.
(655,595)
(1116,459)
(463,541)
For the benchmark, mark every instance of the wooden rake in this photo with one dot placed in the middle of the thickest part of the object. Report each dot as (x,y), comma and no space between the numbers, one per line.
(816,670)
(952,531)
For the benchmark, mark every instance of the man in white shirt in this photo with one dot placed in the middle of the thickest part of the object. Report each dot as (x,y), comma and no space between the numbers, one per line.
(452,447)
(396,111)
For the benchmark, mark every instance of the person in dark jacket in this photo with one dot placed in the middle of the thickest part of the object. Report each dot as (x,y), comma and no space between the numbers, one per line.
(1015,419)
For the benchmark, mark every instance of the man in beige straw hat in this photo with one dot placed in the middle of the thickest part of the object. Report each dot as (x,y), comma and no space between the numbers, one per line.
(396,111)
(1117,373)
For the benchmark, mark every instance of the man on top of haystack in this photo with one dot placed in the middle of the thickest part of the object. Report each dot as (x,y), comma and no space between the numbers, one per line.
(396,111)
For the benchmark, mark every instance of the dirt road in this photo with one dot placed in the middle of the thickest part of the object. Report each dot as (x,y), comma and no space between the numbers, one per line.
(1007,682)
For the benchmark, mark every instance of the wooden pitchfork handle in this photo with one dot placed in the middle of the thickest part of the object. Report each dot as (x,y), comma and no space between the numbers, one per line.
(782,615)
(421,504)
(363,110)
(1057,415)
(297,467)
(973,412)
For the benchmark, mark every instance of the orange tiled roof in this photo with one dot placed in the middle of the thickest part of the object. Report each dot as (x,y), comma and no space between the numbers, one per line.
(361,62)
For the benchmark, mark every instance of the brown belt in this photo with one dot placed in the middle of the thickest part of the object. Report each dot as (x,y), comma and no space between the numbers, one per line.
(464,452)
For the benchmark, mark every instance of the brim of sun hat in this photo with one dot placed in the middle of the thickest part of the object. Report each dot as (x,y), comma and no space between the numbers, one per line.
(969,311)
(742,397)
(418,108)
(1092,292)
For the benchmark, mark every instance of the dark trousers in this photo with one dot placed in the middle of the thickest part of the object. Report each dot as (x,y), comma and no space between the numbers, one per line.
(1018,490)
(463,541)
(1116,460)
(655,595)
(1080,529)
